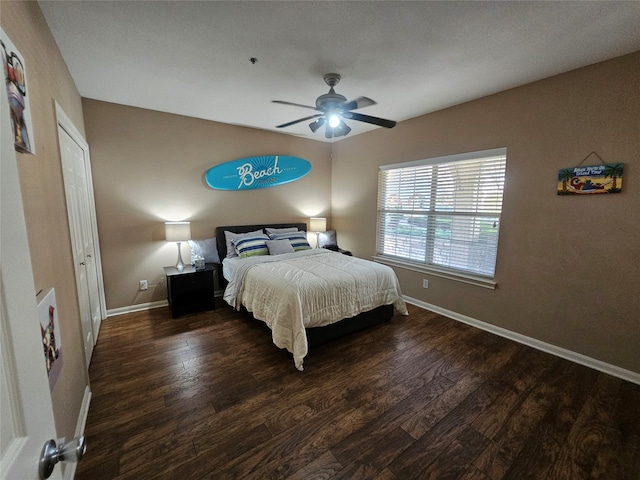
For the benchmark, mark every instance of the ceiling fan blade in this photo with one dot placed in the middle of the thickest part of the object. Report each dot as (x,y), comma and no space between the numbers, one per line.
(369,119)
(282,102)
(359,102)
(288,124)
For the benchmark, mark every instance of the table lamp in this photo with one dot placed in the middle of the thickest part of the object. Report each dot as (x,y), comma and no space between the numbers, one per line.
(177,232)
(317,224)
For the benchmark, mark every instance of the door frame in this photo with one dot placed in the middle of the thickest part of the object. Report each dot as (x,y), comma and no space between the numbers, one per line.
(64,122)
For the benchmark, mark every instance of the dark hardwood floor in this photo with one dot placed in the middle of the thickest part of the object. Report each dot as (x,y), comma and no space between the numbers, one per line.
(208,396)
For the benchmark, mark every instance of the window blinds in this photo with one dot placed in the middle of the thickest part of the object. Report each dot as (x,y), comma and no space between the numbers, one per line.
(443,212)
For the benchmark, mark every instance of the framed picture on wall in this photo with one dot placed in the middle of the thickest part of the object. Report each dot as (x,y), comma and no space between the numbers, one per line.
(50,331)
(16,87)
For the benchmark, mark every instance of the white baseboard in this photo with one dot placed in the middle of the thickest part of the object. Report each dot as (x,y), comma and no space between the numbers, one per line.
(572,356)
(147,306)
(70,468)
(136,308)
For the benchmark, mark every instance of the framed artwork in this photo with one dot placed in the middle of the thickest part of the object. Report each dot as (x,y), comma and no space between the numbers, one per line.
(16,87)
(588,180)
(50,331)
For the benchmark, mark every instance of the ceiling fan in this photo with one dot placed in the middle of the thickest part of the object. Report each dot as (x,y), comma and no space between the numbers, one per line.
(334,110)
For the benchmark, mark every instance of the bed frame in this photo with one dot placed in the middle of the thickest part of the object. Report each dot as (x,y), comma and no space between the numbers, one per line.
(316,335)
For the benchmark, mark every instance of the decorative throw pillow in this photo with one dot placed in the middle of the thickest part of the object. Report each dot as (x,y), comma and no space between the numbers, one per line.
(205,248)
(327,239)
(298,240)
(271,231)
(230,236)
(251,246)
(277,247)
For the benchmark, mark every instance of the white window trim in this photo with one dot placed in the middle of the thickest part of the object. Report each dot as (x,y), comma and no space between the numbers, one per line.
(451,274)
(437,272)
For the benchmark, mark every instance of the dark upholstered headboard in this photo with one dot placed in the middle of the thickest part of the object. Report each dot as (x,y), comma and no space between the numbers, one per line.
(221,241)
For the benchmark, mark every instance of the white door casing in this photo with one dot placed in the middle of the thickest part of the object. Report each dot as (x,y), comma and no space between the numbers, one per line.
(26,413)
(76,167)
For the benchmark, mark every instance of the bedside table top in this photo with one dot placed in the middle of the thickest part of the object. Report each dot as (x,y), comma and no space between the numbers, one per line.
(170,271)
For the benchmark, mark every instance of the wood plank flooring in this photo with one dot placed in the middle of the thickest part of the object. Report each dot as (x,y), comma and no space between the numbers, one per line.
(208,396)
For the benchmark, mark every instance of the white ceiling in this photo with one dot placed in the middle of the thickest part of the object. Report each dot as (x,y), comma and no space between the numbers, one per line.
(192,58)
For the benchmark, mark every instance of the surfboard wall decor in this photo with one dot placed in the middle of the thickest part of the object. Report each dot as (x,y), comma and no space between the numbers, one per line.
(257,172)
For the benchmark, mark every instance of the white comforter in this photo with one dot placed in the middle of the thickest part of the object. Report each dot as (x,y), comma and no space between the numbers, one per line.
(310,288)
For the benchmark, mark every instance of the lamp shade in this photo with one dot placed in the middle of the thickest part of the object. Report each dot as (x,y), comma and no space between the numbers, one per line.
(317,224)
(177,231)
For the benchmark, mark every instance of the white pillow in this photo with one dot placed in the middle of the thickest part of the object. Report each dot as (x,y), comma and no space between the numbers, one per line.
(204,248)
(277,247)
(230,236)
(326,239)
(271,231)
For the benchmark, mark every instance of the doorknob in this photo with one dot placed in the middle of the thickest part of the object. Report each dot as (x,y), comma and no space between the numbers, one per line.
(89,255)
(81,263)
(67,452)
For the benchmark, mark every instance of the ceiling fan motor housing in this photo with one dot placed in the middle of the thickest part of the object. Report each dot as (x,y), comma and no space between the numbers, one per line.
(332,100)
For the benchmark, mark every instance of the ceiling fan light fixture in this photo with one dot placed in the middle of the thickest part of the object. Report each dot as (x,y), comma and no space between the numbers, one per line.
(328,132)
(314,126)
(341,130)
(334,120)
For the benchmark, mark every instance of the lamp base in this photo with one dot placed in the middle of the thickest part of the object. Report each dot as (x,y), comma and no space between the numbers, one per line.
(180,264)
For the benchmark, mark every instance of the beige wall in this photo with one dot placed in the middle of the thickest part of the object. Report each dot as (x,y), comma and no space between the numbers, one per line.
(568,268)
(43,195)
(148,167)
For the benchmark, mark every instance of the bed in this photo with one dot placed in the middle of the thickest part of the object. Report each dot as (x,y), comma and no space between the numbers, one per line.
(309,296)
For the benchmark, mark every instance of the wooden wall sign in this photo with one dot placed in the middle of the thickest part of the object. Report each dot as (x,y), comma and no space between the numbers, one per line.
(586,180)
(257,172)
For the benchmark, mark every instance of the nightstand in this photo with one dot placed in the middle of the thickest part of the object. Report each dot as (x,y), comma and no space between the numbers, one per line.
(190,290)
(335,248)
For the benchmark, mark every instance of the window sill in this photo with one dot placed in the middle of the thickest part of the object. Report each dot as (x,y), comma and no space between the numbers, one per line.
(456,276)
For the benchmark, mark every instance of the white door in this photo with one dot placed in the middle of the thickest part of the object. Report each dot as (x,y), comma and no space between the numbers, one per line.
(26,414)
(74,153)
(74,194)
(89,242)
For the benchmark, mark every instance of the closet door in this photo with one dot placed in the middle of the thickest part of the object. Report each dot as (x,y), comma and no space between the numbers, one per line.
(74,154)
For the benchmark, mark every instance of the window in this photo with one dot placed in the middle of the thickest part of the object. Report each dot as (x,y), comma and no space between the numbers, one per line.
(443,214)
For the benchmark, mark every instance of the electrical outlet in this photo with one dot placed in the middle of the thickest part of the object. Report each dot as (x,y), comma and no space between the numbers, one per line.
(143,285)
(425,283)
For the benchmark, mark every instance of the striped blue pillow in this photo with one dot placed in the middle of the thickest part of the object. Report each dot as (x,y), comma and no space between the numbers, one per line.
(298,239)
(251,246)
